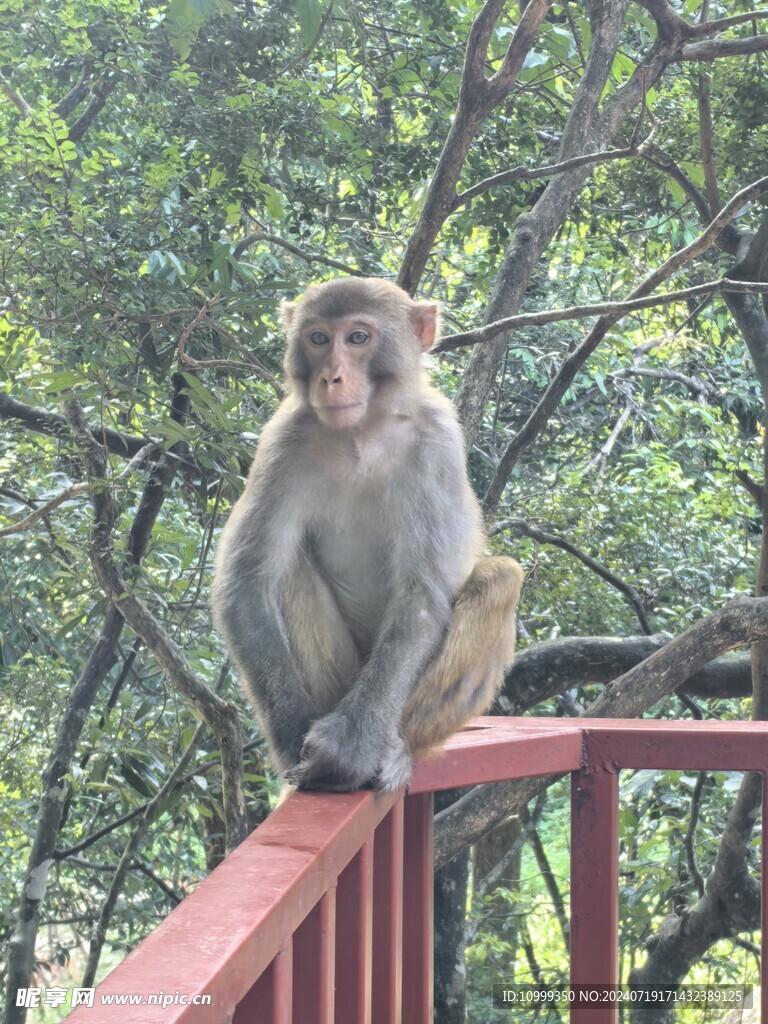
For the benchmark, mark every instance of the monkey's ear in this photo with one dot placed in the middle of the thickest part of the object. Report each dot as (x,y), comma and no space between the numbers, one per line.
(425,320)
(288,313)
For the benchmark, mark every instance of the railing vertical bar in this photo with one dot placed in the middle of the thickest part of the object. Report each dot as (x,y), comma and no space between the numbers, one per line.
(595,886)
(388,918)
(418,909)
(764,907)
(354,903)
(269,999)
(314,964)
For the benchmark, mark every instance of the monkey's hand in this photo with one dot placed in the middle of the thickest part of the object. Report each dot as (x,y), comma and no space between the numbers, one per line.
(338,757)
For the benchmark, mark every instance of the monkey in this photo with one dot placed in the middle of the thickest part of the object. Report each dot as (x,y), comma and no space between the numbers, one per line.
(350,586)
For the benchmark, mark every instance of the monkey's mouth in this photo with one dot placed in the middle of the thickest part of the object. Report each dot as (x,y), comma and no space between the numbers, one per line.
(340,415)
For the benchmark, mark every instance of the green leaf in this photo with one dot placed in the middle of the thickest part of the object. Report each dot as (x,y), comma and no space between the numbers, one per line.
(310,14)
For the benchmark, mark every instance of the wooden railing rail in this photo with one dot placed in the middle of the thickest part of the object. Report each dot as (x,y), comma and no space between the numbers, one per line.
(324,914)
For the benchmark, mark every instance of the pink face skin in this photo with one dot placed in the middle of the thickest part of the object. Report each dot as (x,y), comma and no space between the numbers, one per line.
(340,352)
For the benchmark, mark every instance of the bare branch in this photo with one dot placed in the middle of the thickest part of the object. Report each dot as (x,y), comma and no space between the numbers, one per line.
(76,94)
(43,422)
(600,461)
(499,84)
(670,26)
(309,257)
(690,833)
(697,387)
(612,309)
(188,362)
(523,173)
(629,592)
(545,670)
(44,510)
(752,487)
(256,366)
(201,314)
(73,491)
(714,49)
(89,115)
(705,136)
(149,449)
(16,99)
(708,28)
(743,620)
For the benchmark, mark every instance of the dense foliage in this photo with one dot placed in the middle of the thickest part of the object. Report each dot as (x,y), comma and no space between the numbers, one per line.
(169,173)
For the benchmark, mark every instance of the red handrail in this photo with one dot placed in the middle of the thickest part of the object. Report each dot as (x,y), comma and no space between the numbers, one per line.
(324,914)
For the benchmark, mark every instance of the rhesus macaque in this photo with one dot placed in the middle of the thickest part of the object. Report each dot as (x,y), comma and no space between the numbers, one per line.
(349,583)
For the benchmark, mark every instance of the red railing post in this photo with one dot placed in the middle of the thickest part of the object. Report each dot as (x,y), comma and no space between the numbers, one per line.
(269,1000)
(418,910)
(388,918)
(764,907)
(594,890)
(354,902)
(314,964)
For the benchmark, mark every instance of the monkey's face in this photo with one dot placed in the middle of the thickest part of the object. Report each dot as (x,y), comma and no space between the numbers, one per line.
(354,348)
(339,358)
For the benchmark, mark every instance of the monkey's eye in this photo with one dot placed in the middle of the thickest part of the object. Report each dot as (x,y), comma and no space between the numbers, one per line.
(358,338)
(319,338)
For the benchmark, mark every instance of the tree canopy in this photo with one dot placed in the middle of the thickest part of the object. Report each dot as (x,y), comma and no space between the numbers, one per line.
(582,188)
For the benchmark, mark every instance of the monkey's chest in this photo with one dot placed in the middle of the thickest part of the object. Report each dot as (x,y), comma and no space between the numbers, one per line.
(355,566)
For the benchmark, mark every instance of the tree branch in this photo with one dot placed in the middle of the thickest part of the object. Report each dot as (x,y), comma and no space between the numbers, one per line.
(220,715)
(601,459)
(477,97)
(55,790)
(451,342)
(523,173)
(630,593)
(309,257)
(76,94)
(544,670)
(714,49)
(44,510)
(43,422)
(701,388)
(742,621)
(571,365)
(296,61)
(16,99)
(706,134)
(708,28)
(153,810)
(100,96)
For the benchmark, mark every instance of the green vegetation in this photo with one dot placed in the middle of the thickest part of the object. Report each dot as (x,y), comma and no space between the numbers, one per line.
(168,173)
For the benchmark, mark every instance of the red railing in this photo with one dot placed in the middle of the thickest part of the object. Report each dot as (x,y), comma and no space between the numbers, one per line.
(324,914)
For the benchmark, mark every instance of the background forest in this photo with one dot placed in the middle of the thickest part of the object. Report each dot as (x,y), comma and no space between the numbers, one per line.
(170,172)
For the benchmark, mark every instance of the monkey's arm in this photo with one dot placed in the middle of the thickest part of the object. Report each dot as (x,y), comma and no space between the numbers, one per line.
(259,544)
